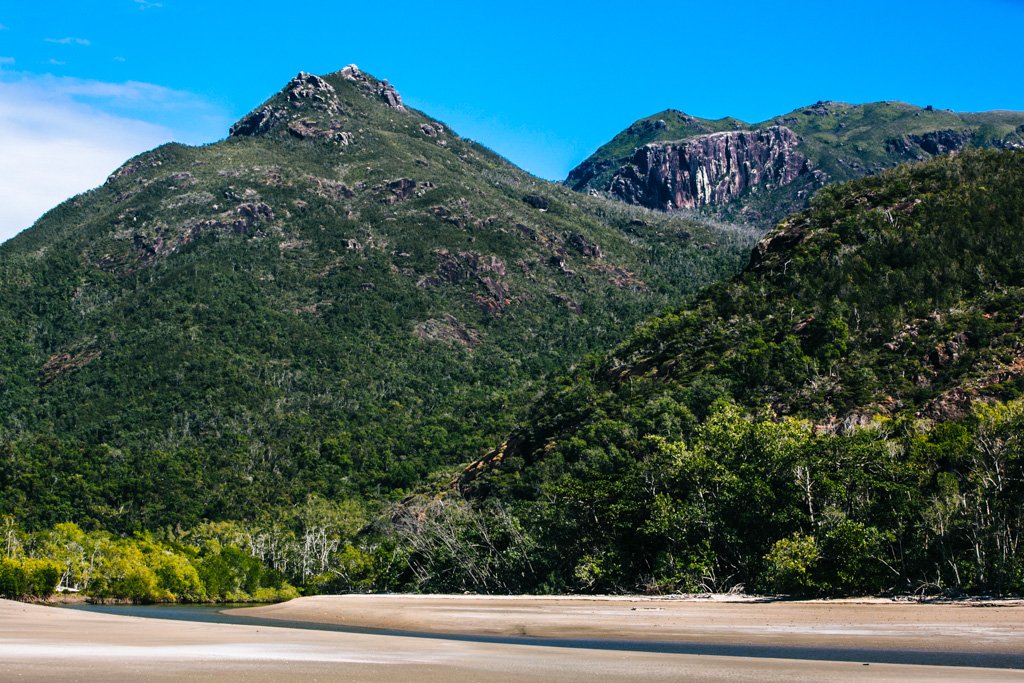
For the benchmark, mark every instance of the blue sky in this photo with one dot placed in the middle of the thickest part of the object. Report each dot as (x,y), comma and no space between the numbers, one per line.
(85,84)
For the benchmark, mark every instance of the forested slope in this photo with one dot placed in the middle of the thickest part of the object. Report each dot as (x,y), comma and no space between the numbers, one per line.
(844,416)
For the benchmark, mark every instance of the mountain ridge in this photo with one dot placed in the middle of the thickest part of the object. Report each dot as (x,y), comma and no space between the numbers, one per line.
(840,142)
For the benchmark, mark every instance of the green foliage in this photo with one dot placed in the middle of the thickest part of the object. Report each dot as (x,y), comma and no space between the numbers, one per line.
(28,577)
(139,569)
(792,564)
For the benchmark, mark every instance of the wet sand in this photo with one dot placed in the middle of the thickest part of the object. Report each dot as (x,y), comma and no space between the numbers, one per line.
(867,624)
(48,643)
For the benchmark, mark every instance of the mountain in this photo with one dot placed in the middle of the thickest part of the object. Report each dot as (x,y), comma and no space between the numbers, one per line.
(759,173)
(336,300)
(844,416)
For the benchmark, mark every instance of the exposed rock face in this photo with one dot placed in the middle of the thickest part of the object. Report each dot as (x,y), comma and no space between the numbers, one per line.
(786,236)
(258,122)
(710,169)
(390,96)
(403,188)
(585,172)
(328,189)
(309,109)
(932,143)
(432,130)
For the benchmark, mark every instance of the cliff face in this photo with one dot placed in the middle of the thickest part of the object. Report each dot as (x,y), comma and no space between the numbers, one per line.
(709,170)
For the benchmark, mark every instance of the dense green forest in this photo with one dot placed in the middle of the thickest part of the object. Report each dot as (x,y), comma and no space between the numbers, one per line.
(842,417)
(338,300)
(760,438)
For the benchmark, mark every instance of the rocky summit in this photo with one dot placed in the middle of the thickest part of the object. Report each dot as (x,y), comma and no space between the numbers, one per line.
(758,173)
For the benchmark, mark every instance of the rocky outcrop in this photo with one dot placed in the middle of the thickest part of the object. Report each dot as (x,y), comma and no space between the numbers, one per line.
(309,108)
(580,178)
(485,270)
(259,122)
(311,129)
(382,89)
(432,130)
(537,201)
(709,170)
(932,143)
(782,239)
(312,92)
(328,189)
(449,330)
(584,246)
(306,93)
(390,96)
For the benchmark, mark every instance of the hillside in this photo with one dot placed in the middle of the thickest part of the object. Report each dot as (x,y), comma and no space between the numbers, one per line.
(336,300)
(759,173)
(844,416)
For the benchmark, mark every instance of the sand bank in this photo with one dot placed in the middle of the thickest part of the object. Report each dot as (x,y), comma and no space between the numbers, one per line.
(973,626)
(48,643)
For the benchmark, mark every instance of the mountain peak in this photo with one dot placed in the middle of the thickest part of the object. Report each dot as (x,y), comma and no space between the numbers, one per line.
(309,106)
(382,89)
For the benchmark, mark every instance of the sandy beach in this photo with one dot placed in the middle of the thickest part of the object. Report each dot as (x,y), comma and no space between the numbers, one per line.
(49,643)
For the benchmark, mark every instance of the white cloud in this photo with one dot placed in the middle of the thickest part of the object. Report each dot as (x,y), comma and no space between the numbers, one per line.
(84,42)
(62,136)
(6,60)
(55,62)
(146,4)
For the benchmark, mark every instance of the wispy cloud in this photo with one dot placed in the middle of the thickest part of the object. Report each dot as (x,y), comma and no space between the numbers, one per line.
(84,42)
(129,94)
(2,27)
(120,59)
(62,136)
(6,60)
(55,62)
(147,4)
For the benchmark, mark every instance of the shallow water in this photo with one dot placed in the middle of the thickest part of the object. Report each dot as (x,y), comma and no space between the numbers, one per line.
(215,614)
